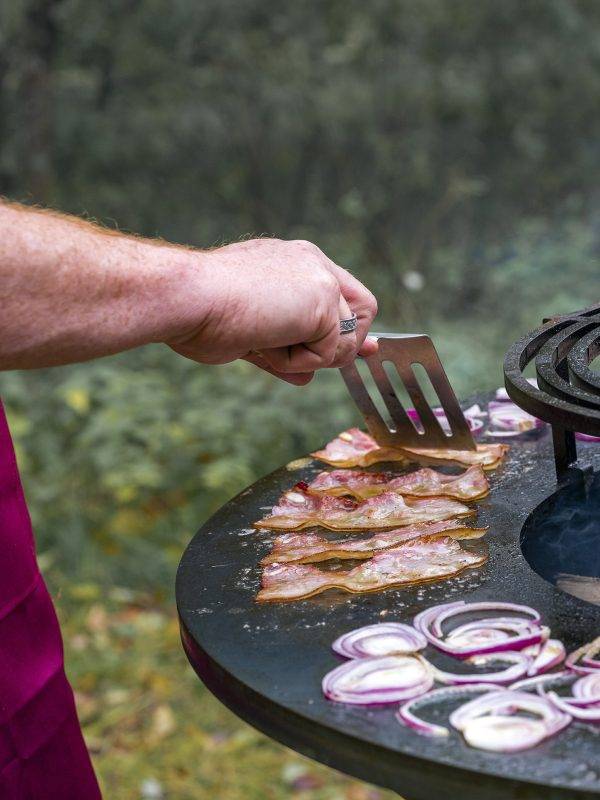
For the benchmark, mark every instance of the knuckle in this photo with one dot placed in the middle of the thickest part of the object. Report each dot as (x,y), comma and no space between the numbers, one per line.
(327,282)
(304,244)
(372,305)
(369,305)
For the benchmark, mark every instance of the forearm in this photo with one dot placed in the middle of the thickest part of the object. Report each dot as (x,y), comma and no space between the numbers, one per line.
(71,291)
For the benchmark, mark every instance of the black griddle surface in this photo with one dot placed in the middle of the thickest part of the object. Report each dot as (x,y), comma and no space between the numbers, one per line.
(266,662)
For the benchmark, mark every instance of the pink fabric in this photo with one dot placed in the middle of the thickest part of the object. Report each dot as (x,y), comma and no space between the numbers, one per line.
(42,752)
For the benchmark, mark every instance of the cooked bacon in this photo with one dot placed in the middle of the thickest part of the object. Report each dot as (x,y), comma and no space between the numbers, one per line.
(471,485)
(297,509)
(306,548)
(418,561)
(353,448)
(487,456)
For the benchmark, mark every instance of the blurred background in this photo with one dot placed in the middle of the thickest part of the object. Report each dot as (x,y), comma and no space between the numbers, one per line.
(447,152)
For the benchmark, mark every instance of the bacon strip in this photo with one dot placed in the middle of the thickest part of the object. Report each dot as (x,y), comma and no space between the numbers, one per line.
(418,561)
(471,485)
(353,448)
(306,548)
(297,509)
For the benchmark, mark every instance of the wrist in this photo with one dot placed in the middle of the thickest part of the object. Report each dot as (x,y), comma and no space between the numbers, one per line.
(183,291)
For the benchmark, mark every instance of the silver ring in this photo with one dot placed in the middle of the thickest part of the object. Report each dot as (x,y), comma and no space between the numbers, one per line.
(348,325)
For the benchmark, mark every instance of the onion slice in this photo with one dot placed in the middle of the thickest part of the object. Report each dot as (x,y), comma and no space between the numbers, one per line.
(551,654)
(584,705)
(590,714)
(381,639)
(508,419)
(406,716)
(491,722)
(472,415)
(528,630)
(366,681)
(581,661)
(520,664)
(538,681)
(588,688)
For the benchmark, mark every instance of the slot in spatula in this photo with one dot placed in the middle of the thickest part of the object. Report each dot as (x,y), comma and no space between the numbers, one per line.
(403,350)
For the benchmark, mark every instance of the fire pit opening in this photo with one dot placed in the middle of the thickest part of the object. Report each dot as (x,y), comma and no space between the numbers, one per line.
(561,539)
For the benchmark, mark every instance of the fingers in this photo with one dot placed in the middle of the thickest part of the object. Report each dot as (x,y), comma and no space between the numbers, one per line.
(347,345)
(295,378)
(321,349)
(330,348)
(369,347)
(362,302)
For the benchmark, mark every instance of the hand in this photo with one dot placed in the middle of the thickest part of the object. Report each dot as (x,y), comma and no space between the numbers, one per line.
(277,304)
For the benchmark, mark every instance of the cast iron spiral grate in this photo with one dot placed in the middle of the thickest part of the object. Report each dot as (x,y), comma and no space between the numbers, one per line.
(568,391)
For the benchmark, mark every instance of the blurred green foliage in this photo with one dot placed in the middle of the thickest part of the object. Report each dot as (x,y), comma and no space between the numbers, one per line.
(447,152)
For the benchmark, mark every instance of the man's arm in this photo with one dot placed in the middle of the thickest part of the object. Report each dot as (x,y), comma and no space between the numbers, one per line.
(72,291)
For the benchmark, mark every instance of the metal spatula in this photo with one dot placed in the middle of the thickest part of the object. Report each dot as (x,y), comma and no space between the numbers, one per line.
(403,350)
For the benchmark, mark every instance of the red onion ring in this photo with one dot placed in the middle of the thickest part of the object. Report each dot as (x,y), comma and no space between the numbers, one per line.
(569,706)
(584,704)
(539,680)
(510,419)
(476,636)
(448,610)
(491,723)
(430,621)
(405,712)
(471,414)
(550,655)
(519,667)
(594,663)
(587,437)
(381,639)
(487,630)
(588,688)
(370,681)
(586,654)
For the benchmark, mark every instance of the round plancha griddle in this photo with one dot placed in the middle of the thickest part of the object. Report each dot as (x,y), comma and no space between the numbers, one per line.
(266,662)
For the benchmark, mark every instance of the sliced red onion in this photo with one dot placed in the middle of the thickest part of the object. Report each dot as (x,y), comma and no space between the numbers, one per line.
(477,636)
(491,722)
(406,716)
(366,681)
(588,688)
(508,419)
(586,437)
(496,629)
(539,680)
(569,706)
(582,661)
(594,663)
(448,610)
(382,639)
(586,697)
(471,414)
(430,622)
(519,665)
(552,653)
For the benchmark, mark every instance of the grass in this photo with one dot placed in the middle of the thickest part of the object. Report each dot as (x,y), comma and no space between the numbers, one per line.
(154,731)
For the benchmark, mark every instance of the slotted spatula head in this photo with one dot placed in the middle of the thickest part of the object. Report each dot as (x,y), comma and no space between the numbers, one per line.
(404,350)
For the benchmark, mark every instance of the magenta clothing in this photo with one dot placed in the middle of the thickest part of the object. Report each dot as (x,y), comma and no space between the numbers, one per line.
(42,752)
